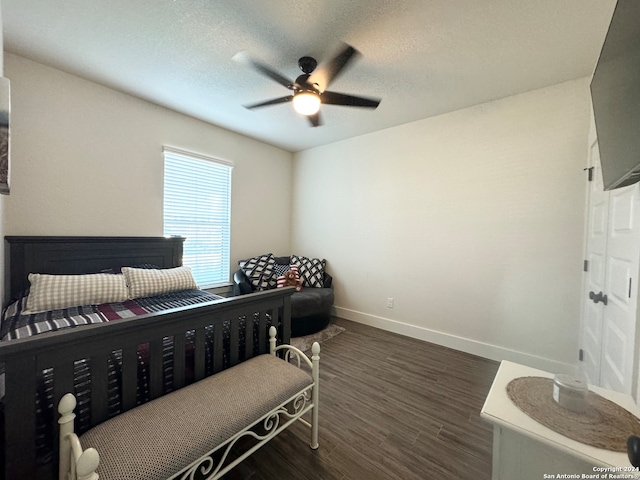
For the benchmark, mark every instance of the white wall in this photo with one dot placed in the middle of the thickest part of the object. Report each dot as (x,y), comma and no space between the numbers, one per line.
(87,160)
(472,221)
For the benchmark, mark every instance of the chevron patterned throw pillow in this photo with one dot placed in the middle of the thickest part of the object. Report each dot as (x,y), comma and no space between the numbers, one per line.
(311,270)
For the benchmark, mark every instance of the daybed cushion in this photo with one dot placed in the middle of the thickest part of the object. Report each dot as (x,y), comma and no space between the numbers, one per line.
(145,282)
(157,439)
(311,301)
(53,292)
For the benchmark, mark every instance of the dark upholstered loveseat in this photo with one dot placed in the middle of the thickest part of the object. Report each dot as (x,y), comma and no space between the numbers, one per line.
(310,307)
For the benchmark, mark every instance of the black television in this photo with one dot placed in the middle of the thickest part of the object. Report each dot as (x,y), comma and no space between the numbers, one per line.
(615,94)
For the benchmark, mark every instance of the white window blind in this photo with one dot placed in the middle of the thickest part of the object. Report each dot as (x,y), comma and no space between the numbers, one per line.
(197,205)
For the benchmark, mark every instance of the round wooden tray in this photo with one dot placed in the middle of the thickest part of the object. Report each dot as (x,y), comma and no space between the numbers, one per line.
(603,424)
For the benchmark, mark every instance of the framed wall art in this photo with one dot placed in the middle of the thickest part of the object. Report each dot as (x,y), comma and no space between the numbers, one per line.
(5,109)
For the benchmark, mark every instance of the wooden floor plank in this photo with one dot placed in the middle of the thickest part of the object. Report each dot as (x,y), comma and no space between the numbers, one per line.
(390,407)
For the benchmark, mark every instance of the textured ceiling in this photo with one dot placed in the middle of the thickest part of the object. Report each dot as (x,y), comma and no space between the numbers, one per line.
(422,57)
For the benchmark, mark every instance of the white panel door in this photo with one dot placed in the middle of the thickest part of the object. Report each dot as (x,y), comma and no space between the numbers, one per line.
(596,245)
(610,293)
(619,320)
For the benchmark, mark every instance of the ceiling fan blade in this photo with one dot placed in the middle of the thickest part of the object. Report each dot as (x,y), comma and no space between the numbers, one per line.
(335,98)
(329,71)
(271,73)
(274,101)
(315,119)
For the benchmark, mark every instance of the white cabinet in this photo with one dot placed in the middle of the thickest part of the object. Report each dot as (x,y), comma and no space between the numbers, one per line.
(524,449)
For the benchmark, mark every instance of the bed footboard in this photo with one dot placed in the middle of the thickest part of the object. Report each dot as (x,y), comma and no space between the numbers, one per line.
(293,354)
(189,329)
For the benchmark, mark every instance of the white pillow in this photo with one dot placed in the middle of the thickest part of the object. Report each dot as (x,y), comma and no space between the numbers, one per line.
(146,282)
(53,292)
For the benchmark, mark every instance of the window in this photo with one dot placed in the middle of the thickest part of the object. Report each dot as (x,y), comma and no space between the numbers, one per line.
(197,205)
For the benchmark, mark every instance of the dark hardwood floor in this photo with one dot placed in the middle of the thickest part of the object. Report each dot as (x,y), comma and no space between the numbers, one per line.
(391,407)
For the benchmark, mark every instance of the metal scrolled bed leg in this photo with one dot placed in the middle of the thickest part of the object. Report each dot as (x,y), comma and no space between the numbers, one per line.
(293,353)
(75,464)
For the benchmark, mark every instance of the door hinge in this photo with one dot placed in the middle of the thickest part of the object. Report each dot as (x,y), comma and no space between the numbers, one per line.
(630,287)
(581,355)
(590,170)
(585,266)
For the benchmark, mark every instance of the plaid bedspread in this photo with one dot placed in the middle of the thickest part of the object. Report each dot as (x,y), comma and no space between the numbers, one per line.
(15,325)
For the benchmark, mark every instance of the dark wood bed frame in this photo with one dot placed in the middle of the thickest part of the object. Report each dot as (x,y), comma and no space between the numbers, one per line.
(25,359)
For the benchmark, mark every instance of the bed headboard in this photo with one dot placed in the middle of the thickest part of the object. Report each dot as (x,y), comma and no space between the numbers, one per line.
(75,255)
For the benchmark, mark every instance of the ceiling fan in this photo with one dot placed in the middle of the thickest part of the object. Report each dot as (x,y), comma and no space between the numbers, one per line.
(307,94)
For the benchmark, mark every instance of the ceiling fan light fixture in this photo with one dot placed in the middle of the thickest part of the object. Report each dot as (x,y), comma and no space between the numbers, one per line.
(306,103)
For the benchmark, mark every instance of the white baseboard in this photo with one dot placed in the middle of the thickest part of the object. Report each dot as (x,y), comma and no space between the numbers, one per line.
(474,347)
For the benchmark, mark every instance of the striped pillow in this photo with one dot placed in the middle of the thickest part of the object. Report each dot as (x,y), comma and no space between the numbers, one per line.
(143,282)
(53,292)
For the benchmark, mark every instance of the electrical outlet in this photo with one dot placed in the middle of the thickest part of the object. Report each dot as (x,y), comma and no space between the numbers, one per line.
(390,302)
